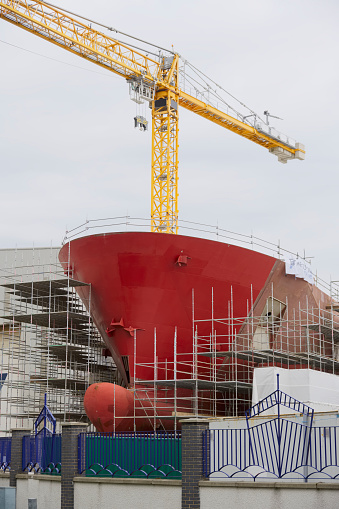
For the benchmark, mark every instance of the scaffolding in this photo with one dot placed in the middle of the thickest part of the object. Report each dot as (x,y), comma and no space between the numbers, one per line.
(215,377)
(49,344)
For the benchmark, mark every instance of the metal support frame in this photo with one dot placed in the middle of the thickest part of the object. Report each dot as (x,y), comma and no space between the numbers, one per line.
(165,118)
(49,344)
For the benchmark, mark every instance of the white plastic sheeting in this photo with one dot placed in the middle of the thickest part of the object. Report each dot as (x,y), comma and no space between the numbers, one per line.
(318,390)
(299,268)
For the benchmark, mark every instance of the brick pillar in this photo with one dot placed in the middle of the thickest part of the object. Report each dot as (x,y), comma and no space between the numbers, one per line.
(192,461)
(16,453)
(69,461)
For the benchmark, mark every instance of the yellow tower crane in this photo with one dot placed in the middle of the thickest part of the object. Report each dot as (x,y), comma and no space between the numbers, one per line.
(157,81)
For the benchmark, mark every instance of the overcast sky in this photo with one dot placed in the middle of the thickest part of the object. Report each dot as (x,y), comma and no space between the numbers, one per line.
(69,151)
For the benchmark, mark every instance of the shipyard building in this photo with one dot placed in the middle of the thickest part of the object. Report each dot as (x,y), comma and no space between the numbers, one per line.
(48,343)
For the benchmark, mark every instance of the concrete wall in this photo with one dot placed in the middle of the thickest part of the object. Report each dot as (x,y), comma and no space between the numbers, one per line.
(4,479)
(259,495)
(166,494)
(45,488)
(126,493)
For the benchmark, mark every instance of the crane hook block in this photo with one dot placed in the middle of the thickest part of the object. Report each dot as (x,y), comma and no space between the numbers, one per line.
(141,122)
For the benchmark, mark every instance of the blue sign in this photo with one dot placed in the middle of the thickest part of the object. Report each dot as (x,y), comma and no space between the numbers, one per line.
(3,377)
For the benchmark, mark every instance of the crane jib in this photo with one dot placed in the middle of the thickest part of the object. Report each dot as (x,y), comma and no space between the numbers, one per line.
(149,80)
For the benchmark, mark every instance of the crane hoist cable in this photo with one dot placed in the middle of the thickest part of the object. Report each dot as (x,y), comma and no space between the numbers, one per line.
(110,28)
(195,69)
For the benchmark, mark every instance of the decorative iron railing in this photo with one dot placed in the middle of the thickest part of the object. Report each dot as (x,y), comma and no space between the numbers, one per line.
(5,453)
(42,454)
(295,451)
(145,455)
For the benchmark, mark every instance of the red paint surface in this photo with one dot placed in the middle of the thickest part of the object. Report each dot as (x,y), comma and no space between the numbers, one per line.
(134,276)
(111,408)
(137,283)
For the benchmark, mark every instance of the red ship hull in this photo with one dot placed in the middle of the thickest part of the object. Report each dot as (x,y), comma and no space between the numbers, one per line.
(137,283)
(145,281)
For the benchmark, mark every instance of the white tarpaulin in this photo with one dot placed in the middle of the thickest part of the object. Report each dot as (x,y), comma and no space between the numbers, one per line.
(318,390)
(299,268)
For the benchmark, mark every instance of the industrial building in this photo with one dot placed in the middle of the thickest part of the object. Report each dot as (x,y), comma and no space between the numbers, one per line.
(48,343)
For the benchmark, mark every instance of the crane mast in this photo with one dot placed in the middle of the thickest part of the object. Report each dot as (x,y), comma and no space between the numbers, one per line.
(165,118)
(156,81)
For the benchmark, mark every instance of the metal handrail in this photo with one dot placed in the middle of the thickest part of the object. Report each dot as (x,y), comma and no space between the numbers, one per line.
(207,231)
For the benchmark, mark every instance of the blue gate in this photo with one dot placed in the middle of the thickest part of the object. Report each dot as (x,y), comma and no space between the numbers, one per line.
(275,449)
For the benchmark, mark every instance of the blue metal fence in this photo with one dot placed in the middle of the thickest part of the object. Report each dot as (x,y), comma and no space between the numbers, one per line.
(41,453)
(147,455)
(280,446)
(5,453)
(324,450)
(278,449)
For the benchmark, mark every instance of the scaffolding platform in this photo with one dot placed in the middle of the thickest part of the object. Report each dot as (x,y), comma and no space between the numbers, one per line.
(49,345)
(54,319)
(45,287)
(270,355)
(201,385)
(215,378)
(73,384)
(326,329)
